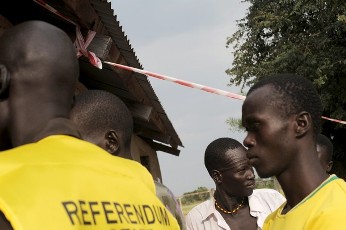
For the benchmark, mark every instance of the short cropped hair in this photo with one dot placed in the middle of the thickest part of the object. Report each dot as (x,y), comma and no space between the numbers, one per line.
(215,152)
(98,110)
(324,142)
(294,94)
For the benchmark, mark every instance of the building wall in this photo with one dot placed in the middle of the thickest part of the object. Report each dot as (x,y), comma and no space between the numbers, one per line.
(143,153)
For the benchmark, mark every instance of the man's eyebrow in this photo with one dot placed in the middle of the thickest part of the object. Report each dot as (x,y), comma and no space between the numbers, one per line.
(235,164)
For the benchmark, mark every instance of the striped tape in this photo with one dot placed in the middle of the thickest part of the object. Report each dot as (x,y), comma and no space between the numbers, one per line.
(180,82)
(194,85)
(80,43)
(81,47)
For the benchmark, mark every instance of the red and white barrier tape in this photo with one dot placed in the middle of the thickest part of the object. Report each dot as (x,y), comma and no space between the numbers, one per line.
(194,85)
(334,120)
(54,11)
(81,45)
(180,82)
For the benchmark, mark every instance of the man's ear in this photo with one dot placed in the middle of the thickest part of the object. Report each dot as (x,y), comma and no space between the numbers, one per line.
(303,123)
(4,79)
(216,175)
(329,166)
(112,142)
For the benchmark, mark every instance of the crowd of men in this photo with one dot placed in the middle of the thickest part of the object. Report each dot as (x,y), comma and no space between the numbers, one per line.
(64,166)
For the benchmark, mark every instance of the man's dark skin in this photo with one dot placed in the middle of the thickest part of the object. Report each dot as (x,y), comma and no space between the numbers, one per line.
(112,134)
(232,186)
(324,153)
(41,64)
(269,133)
(113,137)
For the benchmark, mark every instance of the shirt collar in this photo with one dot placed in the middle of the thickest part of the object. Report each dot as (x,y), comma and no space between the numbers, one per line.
(254,204)
(210,209)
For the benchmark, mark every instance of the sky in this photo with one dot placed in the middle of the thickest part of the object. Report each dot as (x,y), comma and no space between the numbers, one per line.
(186,39)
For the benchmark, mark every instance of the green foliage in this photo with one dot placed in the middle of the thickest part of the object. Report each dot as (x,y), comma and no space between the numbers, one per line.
(264,183)
(304,37)
(235,124)
(197,196)
(186,208)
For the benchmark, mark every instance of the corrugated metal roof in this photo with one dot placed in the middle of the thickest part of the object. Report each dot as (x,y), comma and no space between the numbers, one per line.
(108,18)
(135,88)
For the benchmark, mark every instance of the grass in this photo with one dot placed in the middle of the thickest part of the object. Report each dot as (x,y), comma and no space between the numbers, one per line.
(186,208)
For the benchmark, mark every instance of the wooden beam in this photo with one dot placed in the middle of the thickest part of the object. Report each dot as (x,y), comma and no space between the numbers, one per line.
(164,148)
(101,45)
(139,111)
(151,134)
(83,10)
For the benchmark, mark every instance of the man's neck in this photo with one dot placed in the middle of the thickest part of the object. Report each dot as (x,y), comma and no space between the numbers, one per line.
(54,126)
(300,182)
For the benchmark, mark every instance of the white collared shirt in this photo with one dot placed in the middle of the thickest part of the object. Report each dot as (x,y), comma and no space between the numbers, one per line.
(262,202)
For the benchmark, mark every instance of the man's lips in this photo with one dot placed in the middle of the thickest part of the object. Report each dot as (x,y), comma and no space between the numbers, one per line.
(252,158)
(251,185)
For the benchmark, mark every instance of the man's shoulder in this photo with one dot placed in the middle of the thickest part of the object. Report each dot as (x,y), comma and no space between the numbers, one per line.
(267,198)
(340,183)
(334,188)
(65,148)
(201,209)
(265,191)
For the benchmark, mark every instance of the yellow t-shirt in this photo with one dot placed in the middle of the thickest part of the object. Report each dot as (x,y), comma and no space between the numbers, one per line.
(323,209)
(62,182)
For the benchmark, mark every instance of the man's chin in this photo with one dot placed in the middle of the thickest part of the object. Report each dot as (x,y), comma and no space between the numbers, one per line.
(249,193)
(263,174)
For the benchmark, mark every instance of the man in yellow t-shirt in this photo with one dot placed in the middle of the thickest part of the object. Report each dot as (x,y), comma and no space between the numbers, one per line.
(103,119)
(67,183)
(319,210)
(49,178)
(281,114)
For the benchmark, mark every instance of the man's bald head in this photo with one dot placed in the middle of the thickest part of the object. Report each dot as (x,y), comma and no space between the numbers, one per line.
(40,72)
(36,53)
(34,41)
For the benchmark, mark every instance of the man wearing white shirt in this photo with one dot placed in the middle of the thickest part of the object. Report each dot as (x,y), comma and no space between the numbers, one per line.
(235,205)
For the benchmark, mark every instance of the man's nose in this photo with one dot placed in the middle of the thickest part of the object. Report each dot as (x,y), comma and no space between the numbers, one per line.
(248,141)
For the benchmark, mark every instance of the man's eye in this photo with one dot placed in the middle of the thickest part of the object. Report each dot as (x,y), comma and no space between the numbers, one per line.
(242,170)
(252,127)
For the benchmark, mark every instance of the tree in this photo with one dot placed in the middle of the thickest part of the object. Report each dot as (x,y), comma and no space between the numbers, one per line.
(297,36)
(199,195)
(234,124)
